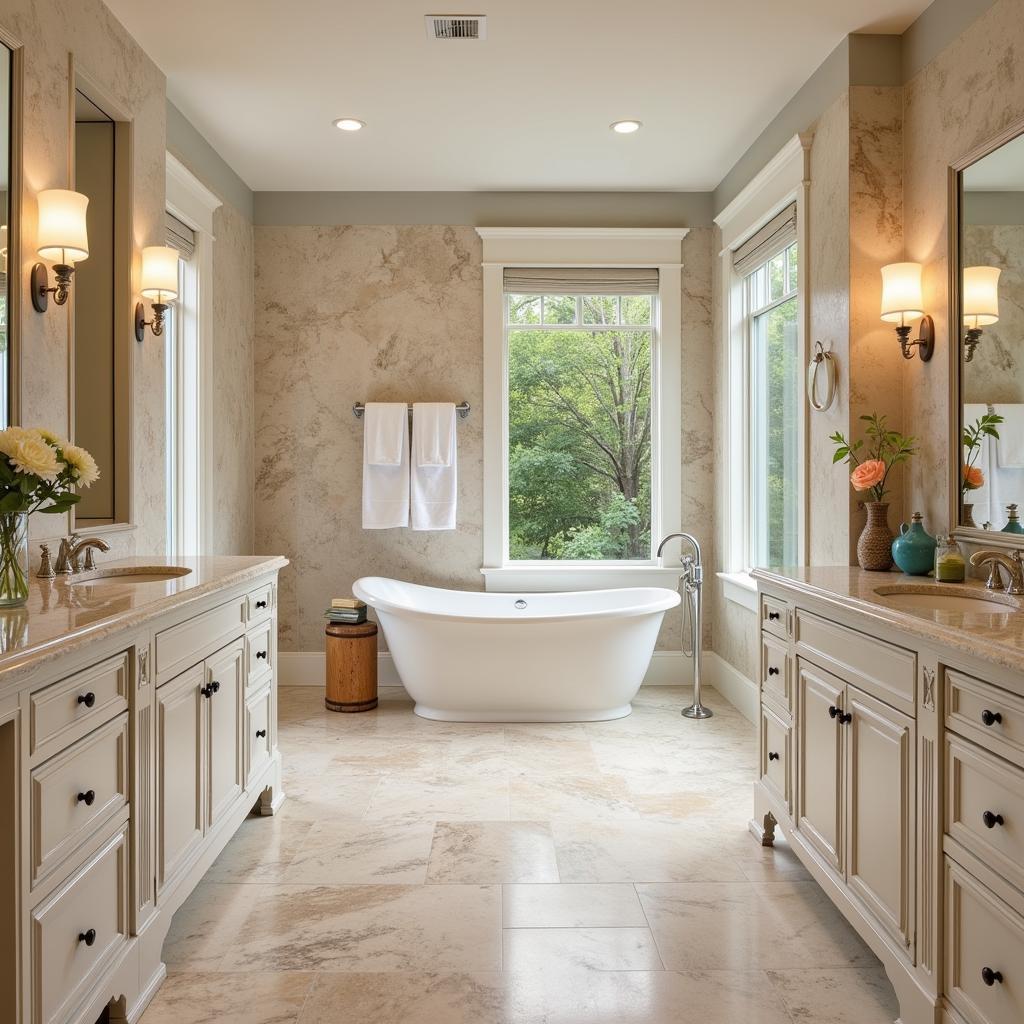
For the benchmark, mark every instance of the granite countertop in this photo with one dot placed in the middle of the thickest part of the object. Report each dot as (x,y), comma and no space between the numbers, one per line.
(61,615)
(997,637)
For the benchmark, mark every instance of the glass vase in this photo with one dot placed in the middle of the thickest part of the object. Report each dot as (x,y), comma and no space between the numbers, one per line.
(13,559)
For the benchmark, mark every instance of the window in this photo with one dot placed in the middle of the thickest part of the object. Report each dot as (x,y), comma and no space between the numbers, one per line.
(580,369)
(581,411)
(773,359)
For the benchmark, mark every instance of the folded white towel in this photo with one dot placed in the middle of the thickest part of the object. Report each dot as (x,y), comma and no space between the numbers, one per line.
(386,485)
(435,479)
(385,430)
(1010,446)
(433,432)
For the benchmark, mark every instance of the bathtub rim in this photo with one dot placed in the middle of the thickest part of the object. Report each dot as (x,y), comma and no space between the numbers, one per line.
(671,600)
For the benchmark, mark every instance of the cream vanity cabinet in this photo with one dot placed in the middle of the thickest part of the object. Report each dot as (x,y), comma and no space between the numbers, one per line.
(126,765)
(892,759)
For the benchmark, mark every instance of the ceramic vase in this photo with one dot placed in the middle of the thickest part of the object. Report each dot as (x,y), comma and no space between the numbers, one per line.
(13,559)
(874,546)
(967,519)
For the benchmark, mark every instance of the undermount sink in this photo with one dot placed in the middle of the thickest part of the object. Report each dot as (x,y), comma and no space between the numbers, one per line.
(937,598)
(132,574)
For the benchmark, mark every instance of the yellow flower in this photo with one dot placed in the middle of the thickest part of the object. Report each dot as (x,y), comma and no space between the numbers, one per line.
(49,437)
(33,456)
(84,470)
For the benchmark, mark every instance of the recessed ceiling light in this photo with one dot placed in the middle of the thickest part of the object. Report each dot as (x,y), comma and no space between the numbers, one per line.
(626,127)
(349,124)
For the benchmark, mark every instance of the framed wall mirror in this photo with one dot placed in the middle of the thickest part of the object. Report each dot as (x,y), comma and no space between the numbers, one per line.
(987,299)
(101,352)
(10,190)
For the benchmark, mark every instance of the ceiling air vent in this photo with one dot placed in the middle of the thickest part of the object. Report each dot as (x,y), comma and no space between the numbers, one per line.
(456,26)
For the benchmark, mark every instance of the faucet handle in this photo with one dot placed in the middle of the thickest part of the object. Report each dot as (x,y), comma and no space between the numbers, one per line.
(45,567)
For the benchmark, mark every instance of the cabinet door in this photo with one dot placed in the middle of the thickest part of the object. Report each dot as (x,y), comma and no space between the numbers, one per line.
(225,677)
(880,811)
(820,762)
(181,732)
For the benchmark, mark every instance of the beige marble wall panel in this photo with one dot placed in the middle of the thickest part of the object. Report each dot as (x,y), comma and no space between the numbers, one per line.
(996,373)
(50,30)
(965,96)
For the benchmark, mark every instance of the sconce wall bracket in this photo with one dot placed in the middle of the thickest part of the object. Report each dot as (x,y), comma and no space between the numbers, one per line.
(925,343)
(157,323)
(39,285)
(971,342)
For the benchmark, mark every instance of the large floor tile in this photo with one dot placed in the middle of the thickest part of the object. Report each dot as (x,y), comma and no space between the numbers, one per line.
(492,851)
(594,949)
(738,926)
(369,928)
(207,923)
(571,906)
(588,797)
(441,798)
(848,996)
(361,852)
(260,850)
(212,998)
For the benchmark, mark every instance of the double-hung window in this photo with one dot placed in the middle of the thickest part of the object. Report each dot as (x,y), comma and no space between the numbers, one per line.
(768,267)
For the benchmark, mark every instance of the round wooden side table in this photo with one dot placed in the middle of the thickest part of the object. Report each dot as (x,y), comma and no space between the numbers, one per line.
(351,667)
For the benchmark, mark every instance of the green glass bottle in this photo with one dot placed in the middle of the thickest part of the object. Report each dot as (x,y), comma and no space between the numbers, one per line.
(1012,520)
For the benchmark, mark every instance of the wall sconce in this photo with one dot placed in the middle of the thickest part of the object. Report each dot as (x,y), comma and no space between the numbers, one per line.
(901,301)
(63,238)
(159,283)
(981,304)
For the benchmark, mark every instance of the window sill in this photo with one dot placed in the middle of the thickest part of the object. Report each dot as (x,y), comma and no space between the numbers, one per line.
(552,578)
(740,588)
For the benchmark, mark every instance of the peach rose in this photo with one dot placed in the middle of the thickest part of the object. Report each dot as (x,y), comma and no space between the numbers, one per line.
(868,474)
(973,478)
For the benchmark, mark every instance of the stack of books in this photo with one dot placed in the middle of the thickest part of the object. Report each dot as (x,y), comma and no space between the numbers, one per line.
(346,610)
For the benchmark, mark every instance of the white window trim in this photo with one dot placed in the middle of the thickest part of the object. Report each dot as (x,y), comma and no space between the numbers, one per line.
(784,180)
(194,204)
(580,247)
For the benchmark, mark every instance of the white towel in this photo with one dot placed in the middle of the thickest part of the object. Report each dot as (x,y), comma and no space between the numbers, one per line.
(433,432)
(385,484)
(385,429)
(435,467)
(1010,446)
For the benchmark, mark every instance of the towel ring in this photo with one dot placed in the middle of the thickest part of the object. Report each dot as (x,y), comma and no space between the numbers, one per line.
(831,375)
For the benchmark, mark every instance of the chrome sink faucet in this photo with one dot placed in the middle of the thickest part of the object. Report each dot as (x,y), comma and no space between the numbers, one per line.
(1012,563)
(69,558)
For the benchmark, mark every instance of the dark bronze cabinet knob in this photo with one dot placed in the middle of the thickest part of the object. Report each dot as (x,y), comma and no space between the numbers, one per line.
(261,654)
(990,977)
(261,734)
(773,616)
(991,820)
(206,691)
(772,755)
(89,937)
(261,604)
(88,797)
(88,699)
(833,711)
(845,718)
(772,670)
(990,718)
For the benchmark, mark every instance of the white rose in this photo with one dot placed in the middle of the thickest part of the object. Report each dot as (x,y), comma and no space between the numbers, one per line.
(83,465)
(32,455)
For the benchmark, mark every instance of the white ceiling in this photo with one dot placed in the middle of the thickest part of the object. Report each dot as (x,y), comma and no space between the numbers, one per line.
(1001,171)
(527,108)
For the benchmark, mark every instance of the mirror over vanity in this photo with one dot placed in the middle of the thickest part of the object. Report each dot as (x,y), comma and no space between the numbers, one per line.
(8,190)
(989,306)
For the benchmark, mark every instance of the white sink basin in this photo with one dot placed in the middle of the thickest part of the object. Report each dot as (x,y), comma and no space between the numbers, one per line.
(922,598)
(131,574)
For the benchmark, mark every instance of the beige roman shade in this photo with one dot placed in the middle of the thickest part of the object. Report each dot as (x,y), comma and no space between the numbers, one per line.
(180,236)
(581,280)
(778,234)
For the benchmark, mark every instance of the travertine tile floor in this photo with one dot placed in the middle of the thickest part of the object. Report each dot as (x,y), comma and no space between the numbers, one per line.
(431,873)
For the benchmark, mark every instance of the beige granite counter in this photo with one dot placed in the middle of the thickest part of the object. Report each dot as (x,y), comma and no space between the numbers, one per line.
(997,637)
(70,611)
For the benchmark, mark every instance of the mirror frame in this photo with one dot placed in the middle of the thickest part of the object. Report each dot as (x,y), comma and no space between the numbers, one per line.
(970,535)
(15,262)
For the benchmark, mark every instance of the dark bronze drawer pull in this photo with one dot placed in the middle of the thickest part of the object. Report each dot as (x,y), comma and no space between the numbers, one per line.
(772,756)
(991,820)
(88,937)
(88,699)
(833,711)
(88,797)
(261,604)
(261,734)
(774,616)
(261,654)
(991,718)
(772,670)
(990,977)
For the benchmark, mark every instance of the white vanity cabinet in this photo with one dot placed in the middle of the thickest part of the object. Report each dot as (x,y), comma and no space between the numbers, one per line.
(905,792)
(125,768)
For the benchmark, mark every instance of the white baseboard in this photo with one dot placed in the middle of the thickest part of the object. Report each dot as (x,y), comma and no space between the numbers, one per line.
(667,668)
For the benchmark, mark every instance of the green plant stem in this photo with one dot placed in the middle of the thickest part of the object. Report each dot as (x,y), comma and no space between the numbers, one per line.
(13,582)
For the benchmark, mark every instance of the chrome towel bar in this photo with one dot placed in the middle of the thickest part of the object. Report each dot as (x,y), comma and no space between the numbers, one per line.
(462,409)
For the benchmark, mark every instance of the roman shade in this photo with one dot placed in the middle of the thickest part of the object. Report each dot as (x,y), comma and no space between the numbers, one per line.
(778,234)
(180,236)
(581,280)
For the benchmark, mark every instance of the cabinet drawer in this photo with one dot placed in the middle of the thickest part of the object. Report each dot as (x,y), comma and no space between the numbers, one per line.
(774,616)
(257,733)
(986,714)
(776,683)
(882,669)
(78,931)
(259,653)
(983,935)
(259,603)
(985,808)
(776,737)
(64,712)
(186,644)
(75,792)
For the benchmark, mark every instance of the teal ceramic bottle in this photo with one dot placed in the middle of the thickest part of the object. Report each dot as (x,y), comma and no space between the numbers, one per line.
(1012,521)
(913,550)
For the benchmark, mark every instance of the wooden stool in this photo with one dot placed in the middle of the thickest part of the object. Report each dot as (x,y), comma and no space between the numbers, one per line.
(351,667)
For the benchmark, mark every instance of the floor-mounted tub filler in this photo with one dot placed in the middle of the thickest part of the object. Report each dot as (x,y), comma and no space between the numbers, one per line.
(470,657)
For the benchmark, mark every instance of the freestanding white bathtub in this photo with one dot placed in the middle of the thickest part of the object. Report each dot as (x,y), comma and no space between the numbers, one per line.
(466,657)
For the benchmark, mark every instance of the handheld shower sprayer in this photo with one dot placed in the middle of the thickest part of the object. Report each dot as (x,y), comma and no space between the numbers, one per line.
(692,582)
